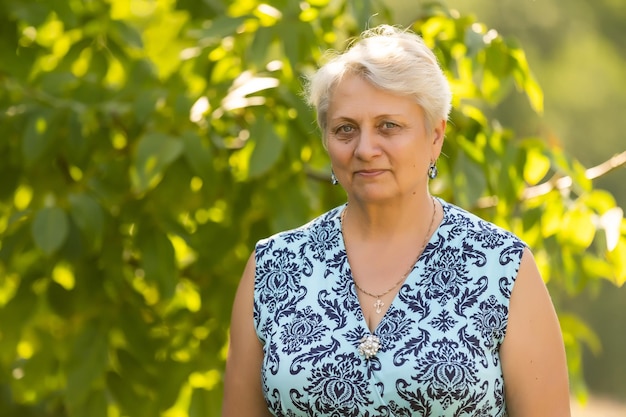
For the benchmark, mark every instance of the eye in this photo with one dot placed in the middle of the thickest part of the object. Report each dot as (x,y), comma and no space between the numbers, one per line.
(388,125)
(344,129)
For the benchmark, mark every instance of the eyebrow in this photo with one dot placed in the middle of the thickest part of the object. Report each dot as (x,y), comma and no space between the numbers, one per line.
(380,116)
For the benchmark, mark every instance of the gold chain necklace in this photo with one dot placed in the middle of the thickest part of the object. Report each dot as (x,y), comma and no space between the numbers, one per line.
(378,305)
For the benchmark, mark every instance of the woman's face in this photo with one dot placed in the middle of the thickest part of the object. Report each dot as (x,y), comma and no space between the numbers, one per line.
(378,144)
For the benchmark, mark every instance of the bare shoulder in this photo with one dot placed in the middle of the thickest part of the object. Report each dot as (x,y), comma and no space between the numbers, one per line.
(243,395)
(532,354)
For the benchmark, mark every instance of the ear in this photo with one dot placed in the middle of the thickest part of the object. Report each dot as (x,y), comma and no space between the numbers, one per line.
(438,136)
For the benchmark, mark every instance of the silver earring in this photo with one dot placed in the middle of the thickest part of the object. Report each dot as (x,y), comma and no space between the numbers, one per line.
(333,178)
(432,171)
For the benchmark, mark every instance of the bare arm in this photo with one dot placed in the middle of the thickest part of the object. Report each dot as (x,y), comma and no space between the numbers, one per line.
(533,356)
(242,389)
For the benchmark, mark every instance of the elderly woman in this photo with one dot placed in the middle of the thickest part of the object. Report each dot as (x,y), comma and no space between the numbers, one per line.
(396,303)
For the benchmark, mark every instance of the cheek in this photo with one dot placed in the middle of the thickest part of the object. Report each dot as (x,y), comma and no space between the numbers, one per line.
(338,154)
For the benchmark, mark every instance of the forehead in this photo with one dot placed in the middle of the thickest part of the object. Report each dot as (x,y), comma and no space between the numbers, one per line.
(354,95)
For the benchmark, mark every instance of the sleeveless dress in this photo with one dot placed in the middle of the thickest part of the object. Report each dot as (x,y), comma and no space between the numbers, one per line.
(439,339)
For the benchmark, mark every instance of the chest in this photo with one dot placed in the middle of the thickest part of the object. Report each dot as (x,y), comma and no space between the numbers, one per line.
(430,359)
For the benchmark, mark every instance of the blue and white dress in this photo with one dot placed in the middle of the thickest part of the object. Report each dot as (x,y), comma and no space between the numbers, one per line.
(439,339)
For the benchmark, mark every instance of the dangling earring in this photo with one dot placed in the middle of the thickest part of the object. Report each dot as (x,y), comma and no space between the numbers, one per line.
(333,178)
(432,171)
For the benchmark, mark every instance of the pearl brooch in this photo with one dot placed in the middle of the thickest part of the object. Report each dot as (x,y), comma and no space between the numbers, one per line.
(369,346)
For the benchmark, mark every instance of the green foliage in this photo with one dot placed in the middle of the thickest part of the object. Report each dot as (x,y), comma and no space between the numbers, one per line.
(146,146)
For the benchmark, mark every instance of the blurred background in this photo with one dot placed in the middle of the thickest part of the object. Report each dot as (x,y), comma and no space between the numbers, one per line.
(139,164)
(577,51)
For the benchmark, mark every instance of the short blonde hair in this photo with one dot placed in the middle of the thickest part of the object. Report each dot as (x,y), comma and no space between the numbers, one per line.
(392,59)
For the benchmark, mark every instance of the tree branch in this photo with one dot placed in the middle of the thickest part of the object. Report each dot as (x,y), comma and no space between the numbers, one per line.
(561,183)
(566,182)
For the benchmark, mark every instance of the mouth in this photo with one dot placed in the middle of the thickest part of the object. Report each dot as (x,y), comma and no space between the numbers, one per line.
(370,172)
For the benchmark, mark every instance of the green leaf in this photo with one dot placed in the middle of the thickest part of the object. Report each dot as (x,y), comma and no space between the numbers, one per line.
(204,403)
(33,13)
(136,332)
(77,145)
(473,149)
(552,217)
(87,361)
(14,317)
(199,403)
(525,79)
(599,200)
(289,205)
(617,257)
(536,167)
(260,46)
(98,64)
(469,181)
(38,367)
(127,34)
(173,377)
(268,146)
(59,301)
(89,217)
(198,155)
(595,266)
(131,403)
(35,142)
(221,27)
(145,104)
(159,261)
(64,11)
(581,331)
(50,229)
(577,227)
(474,39)
(534,93)
(95,406)
(155,152)
(133,370)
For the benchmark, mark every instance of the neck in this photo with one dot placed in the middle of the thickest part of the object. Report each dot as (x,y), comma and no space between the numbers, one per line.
(389,221)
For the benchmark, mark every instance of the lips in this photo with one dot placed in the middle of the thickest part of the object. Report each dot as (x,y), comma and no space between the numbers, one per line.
(370,172)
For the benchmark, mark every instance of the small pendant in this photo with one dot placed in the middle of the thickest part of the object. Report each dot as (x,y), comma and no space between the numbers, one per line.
(378,305)
(369,346)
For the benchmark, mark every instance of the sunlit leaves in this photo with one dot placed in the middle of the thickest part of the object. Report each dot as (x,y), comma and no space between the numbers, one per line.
(611,222)
(146,146)
(155,152)
(536,167)
(482,63)
(577,227)
(617,256)
(245,85)
(63,275)
(162,42)
(8,286)
(22,197)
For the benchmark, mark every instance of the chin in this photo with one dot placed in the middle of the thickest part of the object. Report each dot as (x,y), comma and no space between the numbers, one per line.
(375,197)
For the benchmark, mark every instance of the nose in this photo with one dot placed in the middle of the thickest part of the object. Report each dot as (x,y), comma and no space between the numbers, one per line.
(367,146)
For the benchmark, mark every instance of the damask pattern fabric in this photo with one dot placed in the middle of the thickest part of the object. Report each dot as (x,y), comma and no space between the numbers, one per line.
(440,337)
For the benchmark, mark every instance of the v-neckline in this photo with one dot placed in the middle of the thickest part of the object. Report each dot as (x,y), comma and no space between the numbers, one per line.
(408,281)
